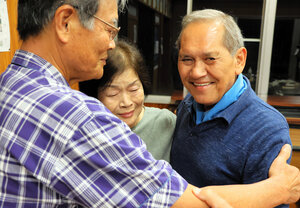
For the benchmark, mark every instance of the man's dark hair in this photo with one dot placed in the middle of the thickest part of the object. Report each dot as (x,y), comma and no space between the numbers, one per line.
(34,15)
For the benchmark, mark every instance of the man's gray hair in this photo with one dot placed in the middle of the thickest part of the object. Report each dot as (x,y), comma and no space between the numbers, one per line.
(233,39)
(85,12)
(33,16)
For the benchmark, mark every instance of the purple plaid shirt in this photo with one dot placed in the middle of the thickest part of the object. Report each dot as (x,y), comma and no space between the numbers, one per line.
(61,148)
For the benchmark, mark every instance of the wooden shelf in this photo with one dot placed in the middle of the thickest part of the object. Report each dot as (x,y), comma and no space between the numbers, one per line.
(177,95)
(295,136)
(284,101)
(293,121)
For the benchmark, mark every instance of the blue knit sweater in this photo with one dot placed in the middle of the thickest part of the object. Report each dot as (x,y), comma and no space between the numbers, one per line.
(237,146)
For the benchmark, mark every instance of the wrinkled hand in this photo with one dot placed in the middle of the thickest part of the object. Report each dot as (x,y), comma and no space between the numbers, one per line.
(211,198)
(288,176)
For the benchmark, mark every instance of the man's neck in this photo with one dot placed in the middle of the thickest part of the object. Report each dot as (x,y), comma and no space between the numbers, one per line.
(208,107)
(44,45)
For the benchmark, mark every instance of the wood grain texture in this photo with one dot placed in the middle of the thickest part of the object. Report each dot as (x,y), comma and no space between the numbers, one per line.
(15,43)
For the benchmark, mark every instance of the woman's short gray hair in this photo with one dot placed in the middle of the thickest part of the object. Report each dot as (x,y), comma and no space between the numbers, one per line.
(233,39)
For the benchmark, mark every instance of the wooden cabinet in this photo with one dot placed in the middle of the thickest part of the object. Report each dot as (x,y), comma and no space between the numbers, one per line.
(295,136)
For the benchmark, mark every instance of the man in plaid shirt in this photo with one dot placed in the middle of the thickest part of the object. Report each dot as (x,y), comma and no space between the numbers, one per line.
(61,148)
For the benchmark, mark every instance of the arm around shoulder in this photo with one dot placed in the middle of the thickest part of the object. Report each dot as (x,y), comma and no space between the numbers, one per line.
(282,187)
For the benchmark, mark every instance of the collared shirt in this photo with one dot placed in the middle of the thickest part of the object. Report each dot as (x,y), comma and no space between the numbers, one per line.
(61,148)
(230,97)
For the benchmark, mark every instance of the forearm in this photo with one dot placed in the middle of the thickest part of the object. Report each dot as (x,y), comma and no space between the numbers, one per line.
(261,194)
(189,200)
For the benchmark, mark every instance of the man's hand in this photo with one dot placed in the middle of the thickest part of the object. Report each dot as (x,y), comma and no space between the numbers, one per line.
(288,176)
(282,187)
(211,198)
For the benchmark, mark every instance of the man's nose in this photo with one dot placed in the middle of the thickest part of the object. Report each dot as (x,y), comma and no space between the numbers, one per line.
(198,70)
(112,44)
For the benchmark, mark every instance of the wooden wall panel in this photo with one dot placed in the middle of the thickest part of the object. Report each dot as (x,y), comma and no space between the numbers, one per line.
(5,57)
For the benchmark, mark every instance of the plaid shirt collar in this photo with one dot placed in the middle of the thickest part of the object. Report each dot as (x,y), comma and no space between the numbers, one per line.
(32,61)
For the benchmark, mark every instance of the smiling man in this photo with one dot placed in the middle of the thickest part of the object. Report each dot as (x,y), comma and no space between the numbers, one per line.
(61,148)
(224,133)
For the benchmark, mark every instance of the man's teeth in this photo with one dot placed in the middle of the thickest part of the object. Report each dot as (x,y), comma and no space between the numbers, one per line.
(200,85)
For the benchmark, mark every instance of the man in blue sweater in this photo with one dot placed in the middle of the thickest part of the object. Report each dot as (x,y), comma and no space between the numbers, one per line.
(224,134)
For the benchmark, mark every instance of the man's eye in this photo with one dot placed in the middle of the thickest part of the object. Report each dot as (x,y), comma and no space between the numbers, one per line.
(210,59)
(187,61)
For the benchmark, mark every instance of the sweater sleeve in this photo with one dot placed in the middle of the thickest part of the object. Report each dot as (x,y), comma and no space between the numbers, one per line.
(262,151)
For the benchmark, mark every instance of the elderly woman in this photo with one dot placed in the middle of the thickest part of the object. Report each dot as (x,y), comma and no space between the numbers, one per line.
(122,90)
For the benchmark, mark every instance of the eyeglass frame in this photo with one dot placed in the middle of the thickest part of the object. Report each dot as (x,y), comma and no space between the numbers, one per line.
(113,33)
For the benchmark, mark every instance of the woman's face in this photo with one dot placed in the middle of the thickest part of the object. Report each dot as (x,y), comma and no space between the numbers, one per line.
(124,97)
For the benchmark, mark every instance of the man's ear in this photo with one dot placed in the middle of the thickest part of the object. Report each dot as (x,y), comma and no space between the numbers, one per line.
(63,20)
(240,60)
